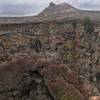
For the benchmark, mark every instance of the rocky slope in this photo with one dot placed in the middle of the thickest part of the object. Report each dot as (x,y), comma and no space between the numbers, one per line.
(66,11)
(52,60)
(56,53)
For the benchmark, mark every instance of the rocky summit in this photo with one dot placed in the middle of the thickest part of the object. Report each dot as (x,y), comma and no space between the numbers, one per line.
(52,56)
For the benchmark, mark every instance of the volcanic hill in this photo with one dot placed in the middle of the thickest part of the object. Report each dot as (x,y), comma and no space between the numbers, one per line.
(54,12)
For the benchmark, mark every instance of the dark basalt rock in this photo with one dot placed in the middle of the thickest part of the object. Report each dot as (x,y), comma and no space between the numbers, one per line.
(52,4)
(37,79)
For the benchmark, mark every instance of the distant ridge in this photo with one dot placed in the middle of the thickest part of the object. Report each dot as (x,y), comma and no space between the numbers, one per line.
(54,12)
(66,11)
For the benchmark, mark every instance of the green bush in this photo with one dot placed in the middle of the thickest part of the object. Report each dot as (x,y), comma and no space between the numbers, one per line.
(88,25)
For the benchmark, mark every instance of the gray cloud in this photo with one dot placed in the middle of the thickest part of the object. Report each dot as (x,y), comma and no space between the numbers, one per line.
(15,9)
(21,7)
(89,5)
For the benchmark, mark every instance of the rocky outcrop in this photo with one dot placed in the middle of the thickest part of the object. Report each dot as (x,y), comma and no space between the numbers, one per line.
(33,78)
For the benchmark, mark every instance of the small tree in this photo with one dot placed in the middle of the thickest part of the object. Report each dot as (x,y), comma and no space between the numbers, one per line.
(74,24)
(88,25)
(35,44)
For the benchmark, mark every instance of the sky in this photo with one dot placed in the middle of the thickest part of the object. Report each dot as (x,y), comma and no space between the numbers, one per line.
(33,7)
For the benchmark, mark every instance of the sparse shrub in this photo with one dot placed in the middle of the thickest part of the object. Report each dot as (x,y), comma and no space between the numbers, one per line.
(69,57)
(88,25)
(35,44)
(98,77)
(74,24)
(69,44)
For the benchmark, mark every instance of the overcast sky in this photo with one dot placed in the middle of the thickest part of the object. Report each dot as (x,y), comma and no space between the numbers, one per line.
(33,7)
